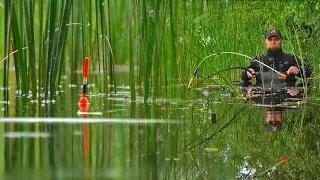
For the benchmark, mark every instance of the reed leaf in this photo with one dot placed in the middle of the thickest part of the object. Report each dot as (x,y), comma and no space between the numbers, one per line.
(172,61)
(42,36)
(75,41)
(61,42)
(101,16)
(50,63)
(110,53)
(156,51)
(145,50)
(19,58)
(31,45)
(7,22)
(131,57)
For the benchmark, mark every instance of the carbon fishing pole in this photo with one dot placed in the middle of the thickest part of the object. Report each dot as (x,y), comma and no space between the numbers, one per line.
(282,75)
(210,76)
(214,54)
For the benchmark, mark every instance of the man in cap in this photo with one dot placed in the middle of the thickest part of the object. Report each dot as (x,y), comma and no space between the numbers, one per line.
(278,60)
(273,119)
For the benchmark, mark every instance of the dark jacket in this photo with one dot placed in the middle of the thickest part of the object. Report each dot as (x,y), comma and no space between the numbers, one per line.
(281,62)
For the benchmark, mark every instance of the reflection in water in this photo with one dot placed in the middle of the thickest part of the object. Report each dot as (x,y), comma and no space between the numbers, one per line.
(275,101)
(26,134)
(162,139)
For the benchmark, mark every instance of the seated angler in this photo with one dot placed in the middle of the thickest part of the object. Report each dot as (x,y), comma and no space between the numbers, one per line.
(278,61)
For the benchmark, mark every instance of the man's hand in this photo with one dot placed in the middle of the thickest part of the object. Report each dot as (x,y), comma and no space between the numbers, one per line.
(293,70)
(251,73)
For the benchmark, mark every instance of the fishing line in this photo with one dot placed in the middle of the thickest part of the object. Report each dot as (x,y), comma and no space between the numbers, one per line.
(214,54)
(282,75)
(210,76)
(207,139)
(206,130)
(221,129)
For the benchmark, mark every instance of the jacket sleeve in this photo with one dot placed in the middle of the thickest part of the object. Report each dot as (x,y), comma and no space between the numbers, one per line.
(252,65)
(307,70)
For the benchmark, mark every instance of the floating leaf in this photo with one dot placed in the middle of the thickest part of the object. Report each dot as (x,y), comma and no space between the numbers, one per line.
(211,149)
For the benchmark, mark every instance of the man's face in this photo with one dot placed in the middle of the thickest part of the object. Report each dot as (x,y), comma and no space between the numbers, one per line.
(273,118)
(273,42)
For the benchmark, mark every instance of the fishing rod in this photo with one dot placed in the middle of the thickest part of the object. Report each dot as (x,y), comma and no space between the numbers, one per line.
(83,102)
(214,54)
(283,76)
(210,76)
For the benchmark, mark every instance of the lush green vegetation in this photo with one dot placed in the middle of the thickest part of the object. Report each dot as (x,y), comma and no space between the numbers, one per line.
(161,41)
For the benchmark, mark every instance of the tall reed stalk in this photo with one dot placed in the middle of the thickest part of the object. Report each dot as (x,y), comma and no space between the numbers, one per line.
(109,38)
(101,16)
(19,58)
(172,61)
(131,21)
(56,60)
(76,41)
(7,22)
(156,50)
(29,18)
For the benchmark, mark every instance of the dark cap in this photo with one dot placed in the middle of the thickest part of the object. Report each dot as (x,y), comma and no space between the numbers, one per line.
(272,32)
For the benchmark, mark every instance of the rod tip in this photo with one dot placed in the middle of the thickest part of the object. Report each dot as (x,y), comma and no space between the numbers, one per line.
(283,76)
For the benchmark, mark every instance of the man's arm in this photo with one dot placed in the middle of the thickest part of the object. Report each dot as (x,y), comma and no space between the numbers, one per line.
(248,75)
(300,70)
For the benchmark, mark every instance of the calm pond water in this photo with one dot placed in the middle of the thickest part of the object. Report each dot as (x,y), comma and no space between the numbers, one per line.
(213,136)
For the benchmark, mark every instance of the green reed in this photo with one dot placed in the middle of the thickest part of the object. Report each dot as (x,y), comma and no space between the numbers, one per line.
(76,38)
(101,18)
(17,36)
(29,16)
(161,42)
(131,20)
(156,57)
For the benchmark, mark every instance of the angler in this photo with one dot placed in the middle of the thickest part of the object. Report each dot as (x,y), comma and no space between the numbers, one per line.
(266,67)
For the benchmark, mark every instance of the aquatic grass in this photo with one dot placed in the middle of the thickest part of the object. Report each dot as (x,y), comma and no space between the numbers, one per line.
(171,66)
(76,42)
(20,61)
(42,16)
(131,21)
(243,139)
(156,57)
(146,50)
(51,24)
(109,50)
(203,28)
(102,22)
(60,46)
(29,16)
(5,80)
